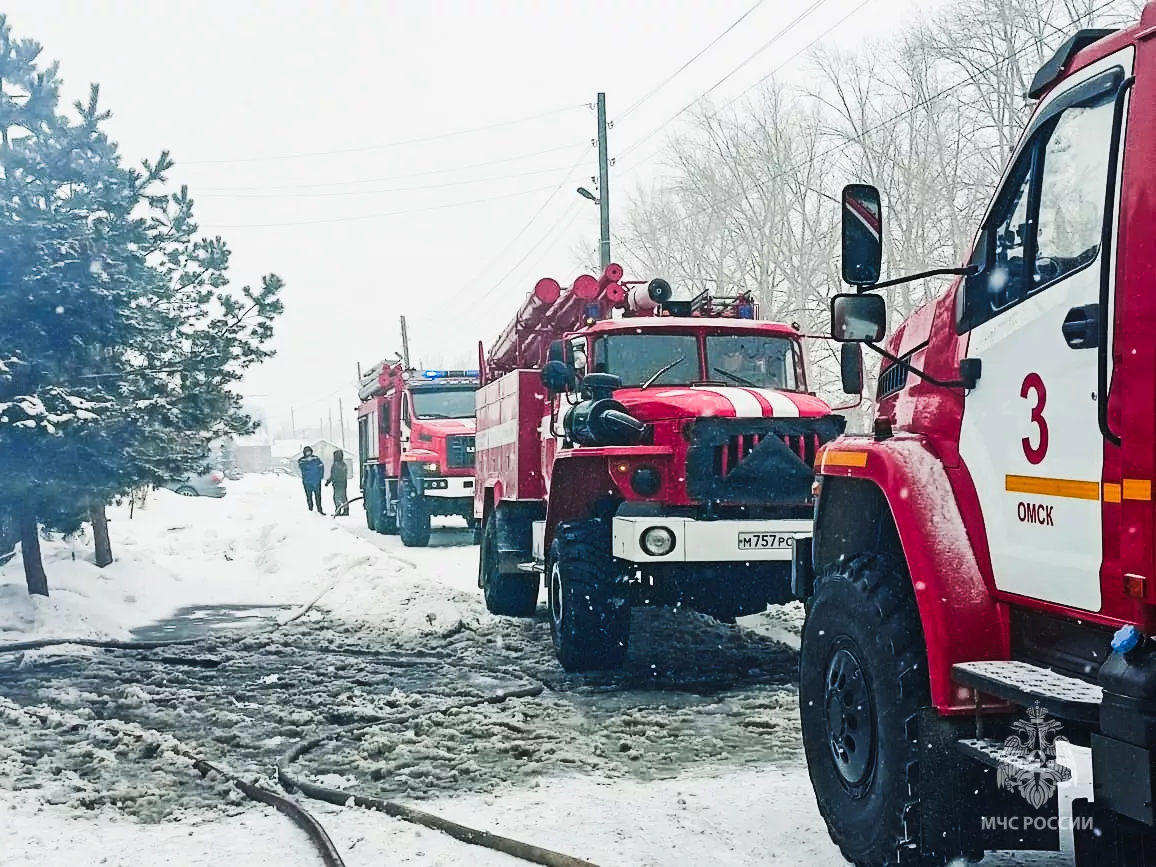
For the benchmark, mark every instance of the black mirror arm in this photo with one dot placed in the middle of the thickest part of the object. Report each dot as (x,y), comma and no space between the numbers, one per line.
(848,406)
(959,383)
(935,272)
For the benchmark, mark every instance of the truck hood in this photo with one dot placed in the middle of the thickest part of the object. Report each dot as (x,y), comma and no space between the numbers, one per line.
(443,427)
(664,403)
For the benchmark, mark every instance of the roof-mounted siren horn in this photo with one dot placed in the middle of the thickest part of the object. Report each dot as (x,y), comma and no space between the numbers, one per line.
(648,298)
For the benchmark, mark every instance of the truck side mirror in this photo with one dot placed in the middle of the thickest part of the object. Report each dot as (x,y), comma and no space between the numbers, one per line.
(851,368)
(862,234)
(858,318)
(557,377)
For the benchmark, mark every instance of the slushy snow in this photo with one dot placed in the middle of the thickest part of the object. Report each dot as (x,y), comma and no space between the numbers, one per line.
(690,755)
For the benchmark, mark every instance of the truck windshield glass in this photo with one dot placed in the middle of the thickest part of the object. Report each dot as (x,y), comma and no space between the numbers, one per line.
(752,360)
(637,357)
(443,403)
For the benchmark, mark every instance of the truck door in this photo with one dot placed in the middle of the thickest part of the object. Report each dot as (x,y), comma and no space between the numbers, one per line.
(1030,435)
(406,422)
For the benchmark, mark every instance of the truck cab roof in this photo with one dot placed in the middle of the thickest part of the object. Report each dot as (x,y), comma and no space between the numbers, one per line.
(683,323)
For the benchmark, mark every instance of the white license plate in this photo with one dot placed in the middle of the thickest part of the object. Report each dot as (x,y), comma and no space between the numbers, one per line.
(764,541)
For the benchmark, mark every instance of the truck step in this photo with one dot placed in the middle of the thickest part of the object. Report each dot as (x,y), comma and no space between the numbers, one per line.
(1025,684)
(995,754)
(532,566)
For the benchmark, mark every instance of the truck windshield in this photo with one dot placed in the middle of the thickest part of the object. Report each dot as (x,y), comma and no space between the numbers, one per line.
(635,358)
(443,403)
(753,360)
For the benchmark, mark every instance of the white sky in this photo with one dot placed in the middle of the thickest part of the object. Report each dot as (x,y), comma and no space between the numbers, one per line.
(366,228)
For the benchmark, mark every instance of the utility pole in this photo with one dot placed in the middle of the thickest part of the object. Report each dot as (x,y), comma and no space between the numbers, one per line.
(341,417)
(603,184)
(404,344)
(331,424)
(292,423)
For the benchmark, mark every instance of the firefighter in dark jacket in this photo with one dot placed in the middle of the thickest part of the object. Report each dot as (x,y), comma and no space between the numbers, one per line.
(312,472)
(339,479)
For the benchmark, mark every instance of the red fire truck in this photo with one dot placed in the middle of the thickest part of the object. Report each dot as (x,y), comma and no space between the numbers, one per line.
(977,670)
(661,457)
(415,432)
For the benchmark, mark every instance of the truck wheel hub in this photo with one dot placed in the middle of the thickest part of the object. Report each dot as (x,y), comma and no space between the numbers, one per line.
(850,729)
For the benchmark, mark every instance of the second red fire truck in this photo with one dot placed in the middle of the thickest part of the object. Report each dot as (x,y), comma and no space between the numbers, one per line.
(415,432)
(660,457)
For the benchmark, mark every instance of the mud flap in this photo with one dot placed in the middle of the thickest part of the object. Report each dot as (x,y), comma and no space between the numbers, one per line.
(802,568)
(949,788)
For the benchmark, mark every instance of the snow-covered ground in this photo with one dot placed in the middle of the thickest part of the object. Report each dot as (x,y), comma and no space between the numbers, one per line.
(689,755)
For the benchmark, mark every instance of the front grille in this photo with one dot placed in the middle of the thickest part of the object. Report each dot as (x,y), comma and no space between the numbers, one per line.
(728,456)
(892,379)
(459,452)
(753,461)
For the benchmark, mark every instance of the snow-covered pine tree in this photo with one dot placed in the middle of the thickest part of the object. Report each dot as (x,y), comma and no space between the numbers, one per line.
(120,339)
(68,279)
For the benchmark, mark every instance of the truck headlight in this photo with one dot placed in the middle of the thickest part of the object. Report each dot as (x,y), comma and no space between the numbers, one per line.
(431,467)
(657,541)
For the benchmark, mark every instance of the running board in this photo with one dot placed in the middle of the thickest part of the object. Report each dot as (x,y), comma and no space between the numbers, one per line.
(996,754)
(531,567)
(1025,684)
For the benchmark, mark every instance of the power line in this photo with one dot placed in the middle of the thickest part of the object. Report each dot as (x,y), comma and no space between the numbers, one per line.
(530,222)
(386,145)
(781,66)
(316,195)
(375,216)
(760,185)
(474,302)
(678,71)
(573,212)
(790,26)
(405,177)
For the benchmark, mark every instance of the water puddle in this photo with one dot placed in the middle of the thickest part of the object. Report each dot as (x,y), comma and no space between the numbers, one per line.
(199,621)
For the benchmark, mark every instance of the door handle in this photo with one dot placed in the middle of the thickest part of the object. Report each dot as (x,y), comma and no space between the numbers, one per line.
(1081,327)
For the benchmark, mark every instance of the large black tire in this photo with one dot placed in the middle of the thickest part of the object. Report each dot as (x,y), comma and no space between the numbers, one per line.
(862,684)
(369,501)
(413,519)
(509,595)
(589,611)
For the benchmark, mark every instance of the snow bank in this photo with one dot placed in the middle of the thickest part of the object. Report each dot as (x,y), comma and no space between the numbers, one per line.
(259,545)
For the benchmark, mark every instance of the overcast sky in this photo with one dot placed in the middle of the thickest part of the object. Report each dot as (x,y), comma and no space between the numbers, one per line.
(341,143)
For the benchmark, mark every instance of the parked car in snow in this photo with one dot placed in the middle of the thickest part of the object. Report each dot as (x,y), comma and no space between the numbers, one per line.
(208,484)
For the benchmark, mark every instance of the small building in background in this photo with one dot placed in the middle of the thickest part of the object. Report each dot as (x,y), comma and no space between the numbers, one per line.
(252,454)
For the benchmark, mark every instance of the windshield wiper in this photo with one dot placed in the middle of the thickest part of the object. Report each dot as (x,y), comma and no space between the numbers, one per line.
(661,371)
(735,378)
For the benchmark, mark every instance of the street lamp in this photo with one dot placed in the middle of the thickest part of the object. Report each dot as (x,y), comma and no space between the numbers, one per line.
(586,194)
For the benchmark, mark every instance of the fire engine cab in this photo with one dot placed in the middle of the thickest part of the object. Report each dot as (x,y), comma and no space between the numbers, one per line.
(416,437)
(661,457)
(978,670)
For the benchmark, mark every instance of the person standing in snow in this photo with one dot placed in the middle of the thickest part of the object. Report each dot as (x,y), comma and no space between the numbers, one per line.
(339,479)
(312,472)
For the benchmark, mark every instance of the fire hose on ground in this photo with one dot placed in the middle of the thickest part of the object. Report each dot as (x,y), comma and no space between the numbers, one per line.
(301,817)
(516,848)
